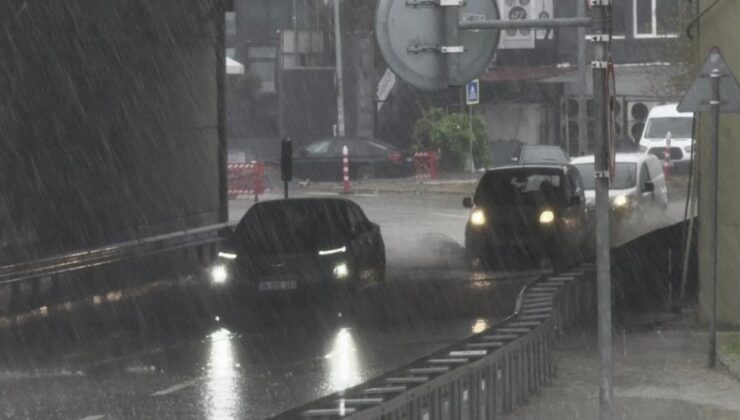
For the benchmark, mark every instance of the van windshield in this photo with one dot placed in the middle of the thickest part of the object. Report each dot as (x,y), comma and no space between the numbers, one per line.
(625,176)
(680,127)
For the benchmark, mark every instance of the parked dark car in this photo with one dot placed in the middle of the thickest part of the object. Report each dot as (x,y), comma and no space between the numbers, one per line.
(521,214)
(301,245)
(368,158)
(527,154)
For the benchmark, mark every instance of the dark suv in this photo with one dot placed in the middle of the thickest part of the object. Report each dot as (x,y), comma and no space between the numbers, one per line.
(528,154)
(523,213)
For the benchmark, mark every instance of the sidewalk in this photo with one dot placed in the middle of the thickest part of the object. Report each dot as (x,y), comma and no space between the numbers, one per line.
(661,374)
(459,186)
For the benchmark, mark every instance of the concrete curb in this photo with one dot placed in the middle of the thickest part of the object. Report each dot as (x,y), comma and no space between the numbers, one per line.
(732,368)
(387,191)
(408,188)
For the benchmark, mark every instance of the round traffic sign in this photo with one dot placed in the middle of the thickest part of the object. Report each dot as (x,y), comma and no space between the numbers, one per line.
(411,33)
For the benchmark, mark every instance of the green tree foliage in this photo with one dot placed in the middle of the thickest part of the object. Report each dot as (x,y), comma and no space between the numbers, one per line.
(451,135)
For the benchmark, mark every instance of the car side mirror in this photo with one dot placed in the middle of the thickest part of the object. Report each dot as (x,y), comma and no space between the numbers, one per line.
(575,200)
(648,187)
(468,203)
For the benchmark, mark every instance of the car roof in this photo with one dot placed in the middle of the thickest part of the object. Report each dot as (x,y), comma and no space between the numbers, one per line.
(304,200)
(560,166)
(540,146)
(620,158)
(668,110)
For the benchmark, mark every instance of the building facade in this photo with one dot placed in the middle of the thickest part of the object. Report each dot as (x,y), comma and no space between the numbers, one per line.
(533,84)
(718,27)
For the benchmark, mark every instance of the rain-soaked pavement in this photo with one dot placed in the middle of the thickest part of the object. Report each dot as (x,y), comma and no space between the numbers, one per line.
(259,358)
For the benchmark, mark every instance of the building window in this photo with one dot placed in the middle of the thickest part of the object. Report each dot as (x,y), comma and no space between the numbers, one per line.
(655,18)
(619,19)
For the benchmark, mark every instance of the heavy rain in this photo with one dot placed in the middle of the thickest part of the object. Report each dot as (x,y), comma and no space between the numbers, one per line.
(369,209)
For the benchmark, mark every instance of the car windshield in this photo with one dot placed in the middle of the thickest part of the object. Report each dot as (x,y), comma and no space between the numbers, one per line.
(543,154)
(625,176)
(291,227)
(659,127)
(520,187)
(319,148)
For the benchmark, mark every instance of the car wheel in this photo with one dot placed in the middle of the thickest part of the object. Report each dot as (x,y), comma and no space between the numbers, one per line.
(366,172)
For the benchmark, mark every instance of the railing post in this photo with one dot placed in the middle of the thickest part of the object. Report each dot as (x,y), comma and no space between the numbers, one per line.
(15,296)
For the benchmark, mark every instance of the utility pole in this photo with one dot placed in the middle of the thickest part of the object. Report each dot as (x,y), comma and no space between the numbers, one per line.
(715,105)
(340,78)
(600,38)
(582,84)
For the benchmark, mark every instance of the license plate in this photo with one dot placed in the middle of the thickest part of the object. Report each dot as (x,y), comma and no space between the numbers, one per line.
(277,285)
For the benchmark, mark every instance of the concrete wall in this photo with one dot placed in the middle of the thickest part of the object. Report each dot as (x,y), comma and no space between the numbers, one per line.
(719,28)
(108,120)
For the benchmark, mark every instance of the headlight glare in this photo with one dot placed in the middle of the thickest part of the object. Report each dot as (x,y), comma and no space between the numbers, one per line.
(341,271)
(478,217)
(621,200)
(219,274)
(547,217)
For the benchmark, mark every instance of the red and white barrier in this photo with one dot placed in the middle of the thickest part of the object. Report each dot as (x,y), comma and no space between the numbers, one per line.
(667,155)
(246,179)
(346,187)
(426,164)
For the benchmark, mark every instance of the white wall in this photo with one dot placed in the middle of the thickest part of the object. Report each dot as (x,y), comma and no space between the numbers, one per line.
(527,123)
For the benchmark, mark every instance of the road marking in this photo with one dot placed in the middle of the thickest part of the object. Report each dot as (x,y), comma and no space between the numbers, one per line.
(96,417)
(176,388)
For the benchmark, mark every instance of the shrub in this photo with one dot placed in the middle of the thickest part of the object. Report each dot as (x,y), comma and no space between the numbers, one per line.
(451,135)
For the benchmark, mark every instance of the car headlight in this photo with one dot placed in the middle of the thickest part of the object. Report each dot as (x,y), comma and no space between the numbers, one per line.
(621,200)
(341,271)
(219,274)
(547,217)
(687,149)
(478,217)
(227,255)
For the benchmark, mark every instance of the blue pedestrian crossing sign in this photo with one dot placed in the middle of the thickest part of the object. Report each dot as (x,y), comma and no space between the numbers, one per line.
(472,92)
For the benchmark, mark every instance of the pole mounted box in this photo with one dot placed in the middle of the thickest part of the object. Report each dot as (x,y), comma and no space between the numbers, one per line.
(286,160)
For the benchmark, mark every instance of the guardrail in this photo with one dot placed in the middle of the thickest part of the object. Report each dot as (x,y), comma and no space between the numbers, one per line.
(13,276)
(480,377)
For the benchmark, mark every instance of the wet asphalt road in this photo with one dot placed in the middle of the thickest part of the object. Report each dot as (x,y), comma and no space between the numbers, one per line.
(254,359)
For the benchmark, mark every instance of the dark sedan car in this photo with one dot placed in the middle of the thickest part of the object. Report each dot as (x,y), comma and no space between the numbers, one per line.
(529,154)
(300,245)
(368,158)
(521,214)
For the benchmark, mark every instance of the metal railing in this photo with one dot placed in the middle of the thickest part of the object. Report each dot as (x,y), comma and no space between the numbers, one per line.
(481,377)
(29,274)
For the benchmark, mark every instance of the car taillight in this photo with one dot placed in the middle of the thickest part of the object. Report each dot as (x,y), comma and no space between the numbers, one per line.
(395,157)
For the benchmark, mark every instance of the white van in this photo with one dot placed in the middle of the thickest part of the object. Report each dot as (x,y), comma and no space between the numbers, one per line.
(664,119)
